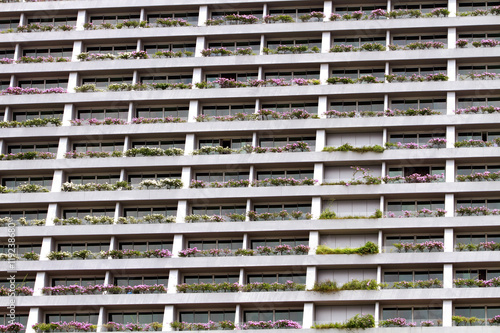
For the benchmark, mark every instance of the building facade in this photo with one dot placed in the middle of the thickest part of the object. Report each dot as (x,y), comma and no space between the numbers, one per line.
(192,153)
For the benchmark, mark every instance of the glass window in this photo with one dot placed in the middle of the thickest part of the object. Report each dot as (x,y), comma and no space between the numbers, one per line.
(163,112)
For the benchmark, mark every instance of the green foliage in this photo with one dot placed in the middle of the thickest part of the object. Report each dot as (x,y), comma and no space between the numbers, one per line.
(368,248)
(356,322)
(327,215)
(349,147)
(37,122)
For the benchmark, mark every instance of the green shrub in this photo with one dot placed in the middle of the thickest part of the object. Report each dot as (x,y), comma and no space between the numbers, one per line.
(356,322)
(327,215)
(368,248)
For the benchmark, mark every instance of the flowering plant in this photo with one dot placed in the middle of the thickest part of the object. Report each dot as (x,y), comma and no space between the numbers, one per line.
(487,109)
(396,322)
(32,91)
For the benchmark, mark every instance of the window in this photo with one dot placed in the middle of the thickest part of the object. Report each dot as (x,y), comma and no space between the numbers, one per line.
(485,136)
(25,282)
(4,84)
(98,146)
(422,170)
(26,115)
(226,143)
(103,82)
(221,176)
(358,41)
(271,242)
(7,54)
(183,47)
(254,12)
(477,238)
(350,9)
(255,45)
(436,104)
(141,212)
(289,75)
(414,314)
(44,84)
(54,52)
(481,274)
(283,141)
(420,139)
(145,246)
(462,70)
(191,279)
(27,214)
(357,73)
(273,315)
(276,277)
(51,148)
(97,179)
(481,312)
(478,37)
(489,203)
(312,42)
(20,318)
(398,207)
(143,317)
(20,249)
(471,6)
(425,8)
(345,106)
(140,280)
(93,247)
(297,174)
(478,101)
(135,180)
(411,276)
(13,182)
(186,78)
(162,112)
(81,281)
(294,12)
(160,144)
(285,107)
(191,18)
(6,24)
(216,244)
(113,49)
(409,71)
(391,240)
(469,170)
(81,213)
(235,76)
(103,113)
(218,210)
(56,21)
(205,316)
(113,19)
(404,40)
(305,208)
(227,110)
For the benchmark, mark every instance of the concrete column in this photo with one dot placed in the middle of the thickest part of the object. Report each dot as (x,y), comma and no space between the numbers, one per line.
(311,277)
(13,81)
(2,146)
(387,103)
(451,69)
(127,144)
(63,147)
(377,313)
(265,10)
(327,9)
(102,319)
(40,282)
(448,240)
(451,102)
(382,203)
(384,170)
(18,52)
(389,5)
(246,242)
(123,175)
(255,139)
(452,7)
(108,278)
(186,177)
(316,207)
(81,19)
(68,114)
(385,136)
(387,39)
(131,111)
(452,38)
(8,116)
(190,144)
(52,212)
(168,317)
(260,73)
(313,241)
(57,181)
(322,106)
(447,313)
(178,245)
(252,175)
(326,42)
(450,171)
(237,314)
(142,16)
(450,136)
(324,73)
(248,208)
(77,49)
(448,276)
(182,207)
(197,76)
(194,108)
(449,204)
(203,15)
(22,19)
(173,281)
(118,211)
(200,46)
(387,69)
(35,316)
(73,81)
(308,319)
(257,105)
(320,140)
(262,43)
(135,77)
(319,173)
(113,243)
(47,247)
(241,277)
(379,274)
(380,241)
